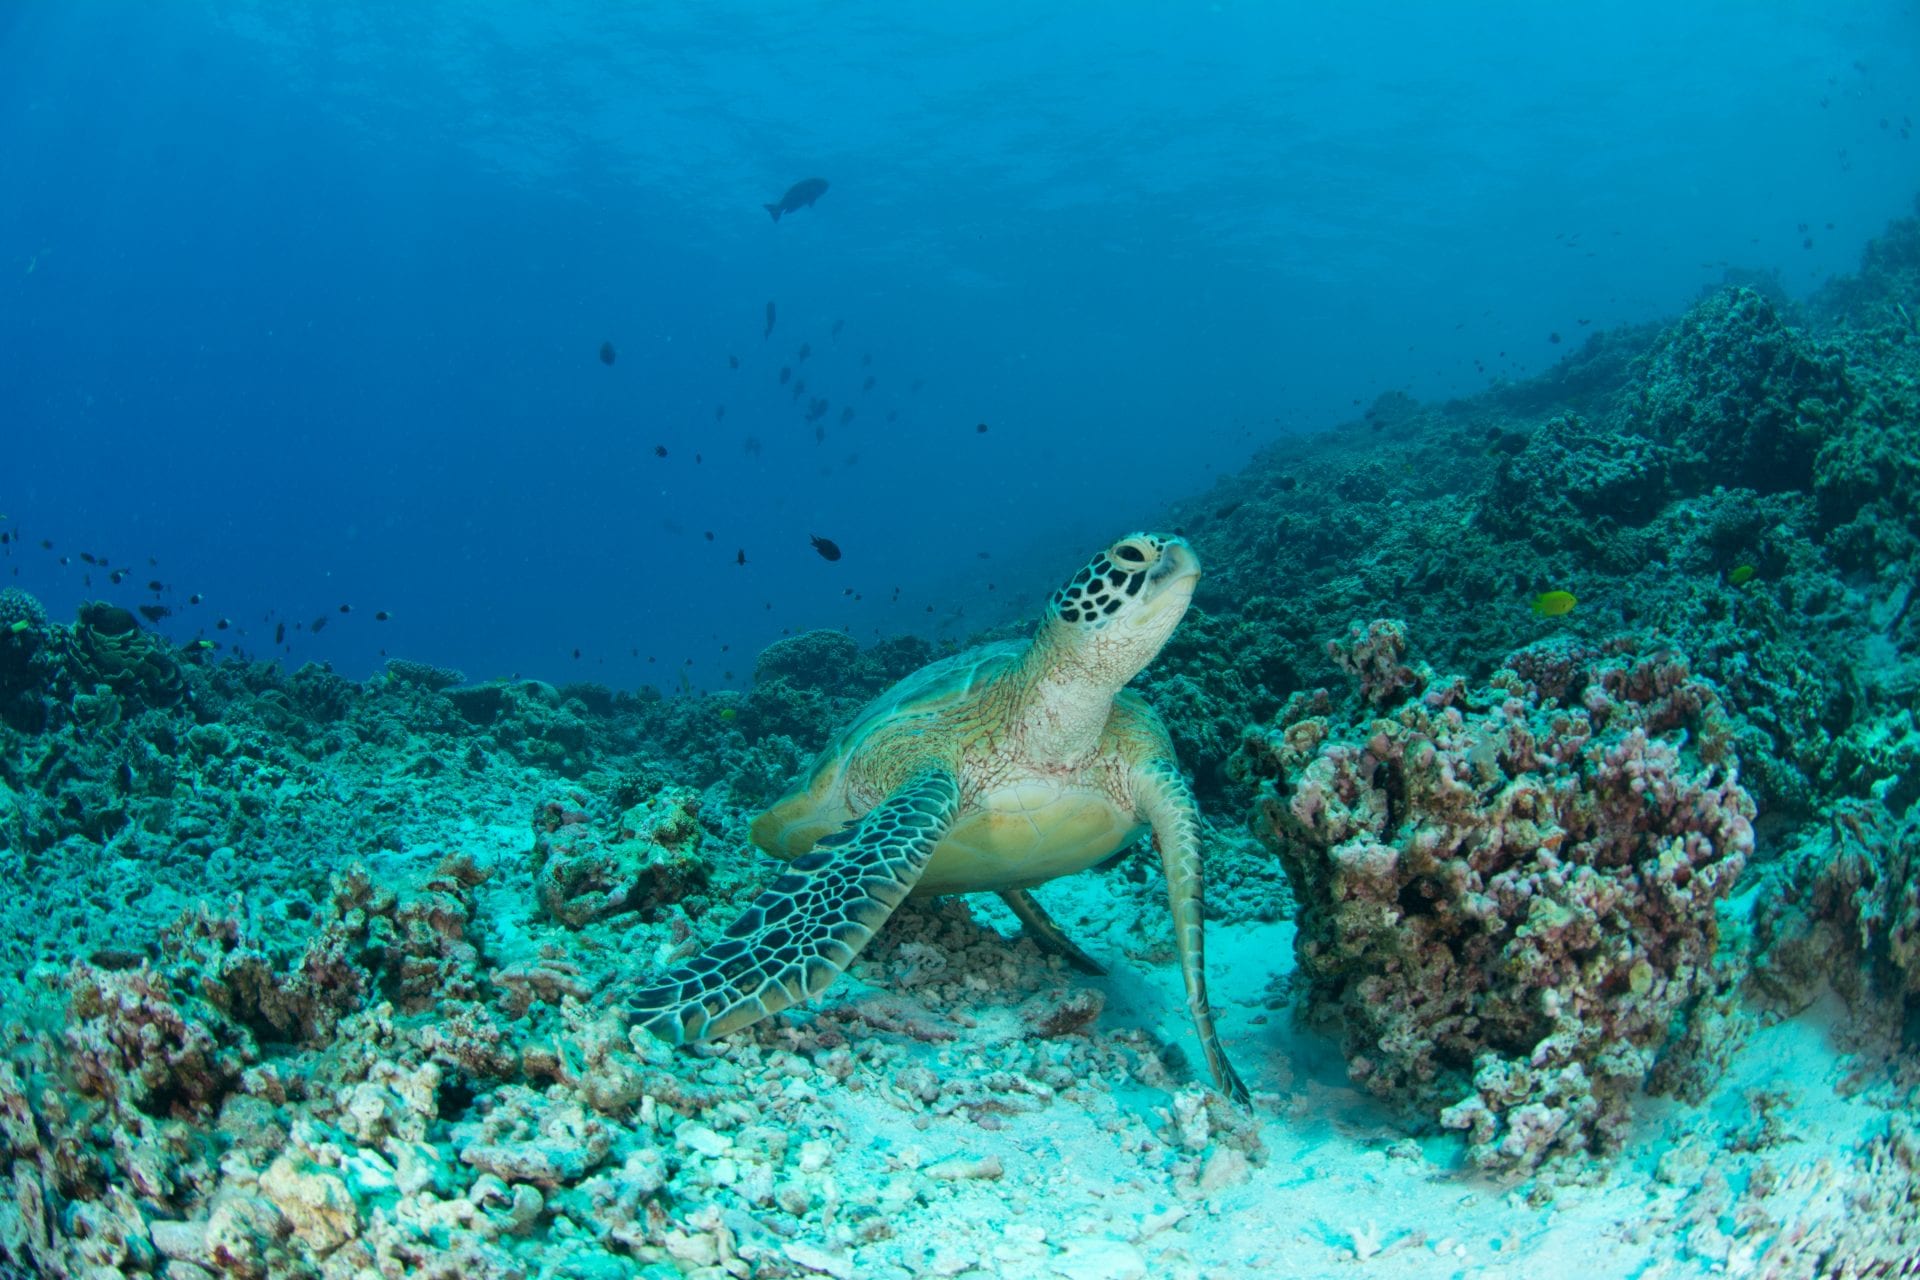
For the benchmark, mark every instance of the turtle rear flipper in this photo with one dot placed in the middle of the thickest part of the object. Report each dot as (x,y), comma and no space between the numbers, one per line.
(807,926)
(1048,935)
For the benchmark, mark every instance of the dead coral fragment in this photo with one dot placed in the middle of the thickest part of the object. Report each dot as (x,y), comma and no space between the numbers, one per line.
(1518,882)
(652,858)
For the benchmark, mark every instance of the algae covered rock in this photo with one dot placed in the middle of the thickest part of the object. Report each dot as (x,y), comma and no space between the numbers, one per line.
(1842,909)
(26,666)
(1743,398)
(650,858)
(1571,484)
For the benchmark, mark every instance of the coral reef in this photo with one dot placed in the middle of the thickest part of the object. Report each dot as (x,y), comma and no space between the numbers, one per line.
(1742,397)
(1507,894)
(423,674)
(1842,909)
(288,993)
(652,858)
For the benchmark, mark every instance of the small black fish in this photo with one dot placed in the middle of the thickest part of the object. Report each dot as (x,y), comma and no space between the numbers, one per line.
(87,557)
(769,332)
(739,558)
(733,362)
(280,634)
(1553,337)
(156,586)
(800,195)
(46,544)
(606,353)
(866,359)
(868,384)
(709,535)
(382,616)
(318,625)
(806,349)
(819,435)
(825,546)
(222,625)
(719,412)
(155,612)
(980,428)
(785,373)
(659,451)
(194,598)
(846,415)
(576,655)
(346,608)
(1288,483)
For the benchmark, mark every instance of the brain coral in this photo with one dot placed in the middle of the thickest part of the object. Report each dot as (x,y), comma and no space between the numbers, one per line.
(1506,894)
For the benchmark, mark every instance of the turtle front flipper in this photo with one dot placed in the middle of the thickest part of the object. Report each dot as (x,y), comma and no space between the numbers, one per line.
(1167,803)
(808,925)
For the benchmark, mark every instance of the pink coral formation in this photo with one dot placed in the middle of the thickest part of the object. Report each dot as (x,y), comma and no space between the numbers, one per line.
(1507,894)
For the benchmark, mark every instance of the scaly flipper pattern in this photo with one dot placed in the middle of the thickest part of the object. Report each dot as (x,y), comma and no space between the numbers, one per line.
(1167,803)
(807,926)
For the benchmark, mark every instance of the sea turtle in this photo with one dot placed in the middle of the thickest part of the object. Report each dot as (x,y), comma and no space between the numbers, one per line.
(991,771)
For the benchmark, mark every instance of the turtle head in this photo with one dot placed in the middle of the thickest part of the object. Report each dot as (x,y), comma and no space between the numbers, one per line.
(1115,614)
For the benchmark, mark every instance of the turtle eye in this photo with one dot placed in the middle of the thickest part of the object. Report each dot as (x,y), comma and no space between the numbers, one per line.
(1134,551)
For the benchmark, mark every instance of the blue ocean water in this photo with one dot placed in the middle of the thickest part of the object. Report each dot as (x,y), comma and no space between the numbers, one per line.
(302,305)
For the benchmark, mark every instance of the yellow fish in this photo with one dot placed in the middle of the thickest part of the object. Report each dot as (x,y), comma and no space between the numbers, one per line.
(1551,604)
(727,713)
(1741,573)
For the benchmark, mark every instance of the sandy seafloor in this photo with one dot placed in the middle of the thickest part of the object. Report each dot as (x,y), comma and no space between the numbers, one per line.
(308,977)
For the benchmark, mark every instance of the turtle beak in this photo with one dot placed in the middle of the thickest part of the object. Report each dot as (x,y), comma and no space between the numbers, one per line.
(1170,583)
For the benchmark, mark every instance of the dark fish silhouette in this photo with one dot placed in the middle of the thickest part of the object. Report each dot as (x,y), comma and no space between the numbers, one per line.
(606,353)
(785,373)
(825,546)
(770,314)
(733,362)
(806,349)
(868,384)
(800,195)
(155,612)
(739,558)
